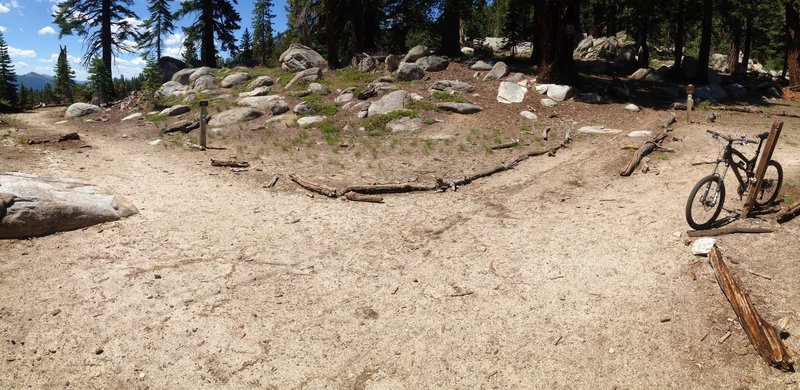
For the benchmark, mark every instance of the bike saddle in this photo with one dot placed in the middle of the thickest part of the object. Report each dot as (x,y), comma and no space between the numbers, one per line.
(763,135)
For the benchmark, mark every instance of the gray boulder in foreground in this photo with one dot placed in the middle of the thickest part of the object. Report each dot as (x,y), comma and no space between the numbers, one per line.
(32,206)
(81,109)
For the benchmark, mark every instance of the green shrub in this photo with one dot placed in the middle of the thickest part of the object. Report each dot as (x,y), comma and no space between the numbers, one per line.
(376,125)
(446,97)
(320,105)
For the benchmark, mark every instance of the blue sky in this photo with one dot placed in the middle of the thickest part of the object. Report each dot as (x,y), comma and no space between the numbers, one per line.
(33,40)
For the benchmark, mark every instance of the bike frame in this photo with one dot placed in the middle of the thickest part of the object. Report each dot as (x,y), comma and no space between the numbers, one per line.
(727,160)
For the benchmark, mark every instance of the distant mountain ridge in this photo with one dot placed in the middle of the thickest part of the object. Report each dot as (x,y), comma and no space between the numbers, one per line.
(34,81)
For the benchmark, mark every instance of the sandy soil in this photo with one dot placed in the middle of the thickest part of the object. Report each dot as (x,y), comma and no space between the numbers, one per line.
(557,274)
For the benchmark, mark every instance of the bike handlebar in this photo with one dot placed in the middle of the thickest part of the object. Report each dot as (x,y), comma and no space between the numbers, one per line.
(742,140)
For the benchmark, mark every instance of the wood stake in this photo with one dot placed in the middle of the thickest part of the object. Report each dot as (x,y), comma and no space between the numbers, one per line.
(203,116)
(763,336)
(761,168)
(727,230)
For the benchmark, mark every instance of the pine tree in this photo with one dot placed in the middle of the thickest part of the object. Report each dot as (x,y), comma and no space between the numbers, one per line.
(64,78)
(24,96)
(8,79)
(215,18)
(100,82)
(159,24)
(189,48)
(151,79)
(263,42)
(245,50)
(105,26)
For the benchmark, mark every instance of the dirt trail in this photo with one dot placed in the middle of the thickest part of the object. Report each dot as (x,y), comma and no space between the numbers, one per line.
(557,274)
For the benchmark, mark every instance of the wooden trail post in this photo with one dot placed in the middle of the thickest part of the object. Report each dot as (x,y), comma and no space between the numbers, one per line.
(689,102)
(761,168)
(203,116)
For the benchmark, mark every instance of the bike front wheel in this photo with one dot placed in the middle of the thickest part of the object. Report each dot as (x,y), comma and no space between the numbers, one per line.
(771,185)
(705,202)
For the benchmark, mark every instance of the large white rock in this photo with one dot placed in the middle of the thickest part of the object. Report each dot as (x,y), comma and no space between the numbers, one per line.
(393,101)
(309,120)
(80,109)
(203,83)
(175,110)
(308,75)
(234,115)
(274,104)
(171,88)
(509,92)
(32,206)
(529,115)
(459,108)
(260,81)
(135,115)
(182,76)
(549,103)
(632,108)
(260,91)
(452,86)
(409,72)
(203,71)
(559,93)
(416,53)
(234,79)
(499,70)
(298,57)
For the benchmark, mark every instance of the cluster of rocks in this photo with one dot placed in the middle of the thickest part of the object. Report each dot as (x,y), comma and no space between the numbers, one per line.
(415,63)
(614,49)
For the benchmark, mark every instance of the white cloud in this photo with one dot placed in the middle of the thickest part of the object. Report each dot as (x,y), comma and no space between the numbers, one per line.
(174,39)
(47,30)
(174,52)
(4,9)
(14,52)
(21,65)
(2,28)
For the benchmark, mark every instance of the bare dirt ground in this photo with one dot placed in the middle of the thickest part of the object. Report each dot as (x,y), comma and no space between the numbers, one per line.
(557,274)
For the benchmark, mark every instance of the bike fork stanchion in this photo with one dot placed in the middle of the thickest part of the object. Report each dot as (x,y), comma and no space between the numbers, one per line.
(761,168)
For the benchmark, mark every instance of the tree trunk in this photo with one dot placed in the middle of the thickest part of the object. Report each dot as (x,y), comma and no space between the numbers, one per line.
(611,27)
(558,19)
(680,33)
(733,56)
(331,33)
(793,39)
(451,16)
(644,50)
(105,34)
(357,20)
(208,53)
(748,38)
(701,73)
(598,14)
(158,41)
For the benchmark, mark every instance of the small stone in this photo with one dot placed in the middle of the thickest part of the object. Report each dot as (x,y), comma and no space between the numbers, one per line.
(306,121)
(156,142)
(598,129)
(711,117)
(98,351)
(640,133)
(703,245)
(665,319)
(157,276)
(529,115)
(632,108)
(549,103)
(55,312)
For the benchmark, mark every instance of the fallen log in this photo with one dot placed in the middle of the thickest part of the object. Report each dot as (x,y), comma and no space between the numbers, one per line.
(727,230)
(389,188)
(314,187)
(230,163)
(272,181)
(356,197)
(786,114)
(789,212)
(506,145)
(69,137)
(745,109)
(646,149)
(762,335)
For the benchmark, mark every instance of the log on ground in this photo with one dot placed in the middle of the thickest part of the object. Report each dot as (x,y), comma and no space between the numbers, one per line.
(789,212)
(762,335)
(727,230)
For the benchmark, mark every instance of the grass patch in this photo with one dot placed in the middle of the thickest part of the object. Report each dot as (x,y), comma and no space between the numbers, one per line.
(280,76)
(155,118)
(446,97)
(330,132)
(347,77)
(421,105)
(320,105)
(429,121)
(376,125)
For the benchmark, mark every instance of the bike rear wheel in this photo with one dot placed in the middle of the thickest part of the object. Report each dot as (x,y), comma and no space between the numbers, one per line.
(705,202)
(771,185)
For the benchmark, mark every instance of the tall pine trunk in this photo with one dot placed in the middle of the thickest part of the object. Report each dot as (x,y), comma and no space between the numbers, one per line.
(558,20)
(748,39)
(793,42)
(598,14)
(208,53)
(644,50)
(105,34)
(733,55)
(331,33)
(680,34)
(451,19)
(701,73)
(611,20)
(357,20)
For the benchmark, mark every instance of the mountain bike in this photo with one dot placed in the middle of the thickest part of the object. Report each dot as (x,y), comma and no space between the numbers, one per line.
(708,195)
